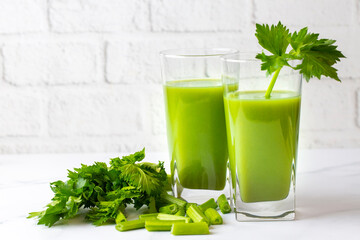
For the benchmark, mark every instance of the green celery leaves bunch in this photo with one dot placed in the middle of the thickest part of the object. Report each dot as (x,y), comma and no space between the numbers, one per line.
(105,190)
(316,56)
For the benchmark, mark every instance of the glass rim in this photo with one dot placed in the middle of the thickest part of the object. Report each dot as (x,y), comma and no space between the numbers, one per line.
(244,57)
(197,52)
(240,57)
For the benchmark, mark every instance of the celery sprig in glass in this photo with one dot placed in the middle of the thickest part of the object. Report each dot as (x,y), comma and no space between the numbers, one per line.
(316,56)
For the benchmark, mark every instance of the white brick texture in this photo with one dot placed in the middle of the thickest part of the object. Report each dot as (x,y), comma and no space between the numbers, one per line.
(200,15)
(244,42)
(305,12)
(95,15)
(18,16)
(358,107)
(51,63)
(95,112)
(84,75)
(347,38)
(155,110)
(21,113)
(328,105)
(138,61)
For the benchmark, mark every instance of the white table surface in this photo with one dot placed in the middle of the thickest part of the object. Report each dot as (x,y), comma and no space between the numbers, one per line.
(327,198)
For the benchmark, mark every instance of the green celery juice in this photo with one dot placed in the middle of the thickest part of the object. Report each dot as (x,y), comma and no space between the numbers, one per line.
(263,139)
(197,132)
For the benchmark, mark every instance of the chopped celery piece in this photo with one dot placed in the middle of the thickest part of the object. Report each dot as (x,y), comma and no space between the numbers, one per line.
(168,183)
(180,212)
(195,213)
(223,204)
(208,204)
(198,228)
(169,209)
(160,225)
(171,199)
(130,225)
(189,204)
(120,217)
(152,205)
(163,216)
(213,216)
(149,216)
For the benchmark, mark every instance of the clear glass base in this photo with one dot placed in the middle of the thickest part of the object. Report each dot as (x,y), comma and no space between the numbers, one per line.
(246,217)
(196,195)
(199,195)
(266,210)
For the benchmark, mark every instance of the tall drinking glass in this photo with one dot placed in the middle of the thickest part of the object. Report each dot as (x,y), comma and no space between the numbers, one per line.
(195,121)
(262,138)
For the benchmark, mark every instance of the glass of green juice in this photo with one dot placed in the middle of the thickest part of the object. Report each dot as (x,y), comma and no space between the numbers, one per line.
(195,120)
(262,136)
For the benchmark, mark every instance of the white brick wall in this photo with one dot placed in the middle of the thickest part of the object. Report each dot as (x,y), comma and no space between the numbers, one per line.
(137,61)
(21,113)
(84,75)
(20,16)
(328,105)
(51,63)
(324,13)
(98,16)
(200,15)
(105,111)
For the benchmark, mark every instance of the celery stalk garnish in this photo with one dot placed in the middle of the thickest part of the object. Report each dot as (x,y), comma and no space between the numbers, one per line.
(316,56)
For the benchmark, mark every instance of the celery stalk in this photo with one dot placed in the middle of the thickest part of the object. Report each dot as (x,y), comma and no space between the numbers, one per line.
(198,228)
(168,183)
(160,225)
(169,209)
(213,216)
(163,216)
(180,212)
(272,83)
(130,225)
(195,213)
(223,204)
(208,204)
(189,204)
(152,205)
(149,216)
(171,199)
(120,217)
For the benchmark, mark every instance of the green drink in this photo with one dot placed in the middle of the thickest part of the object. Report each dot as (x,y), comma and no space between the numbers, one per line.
(196,132)
(263,134)
(262,108)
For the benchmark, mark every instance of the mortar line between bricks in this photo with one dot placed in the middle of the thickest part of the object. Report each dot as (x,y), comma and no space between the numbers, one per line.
(357,107)
(48,15)
(105,47)
(46,97)
(150,17)
(107,85)
(357,12)
(7,83)
(86,34)
(2,65)
(253,10)
(356,9)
